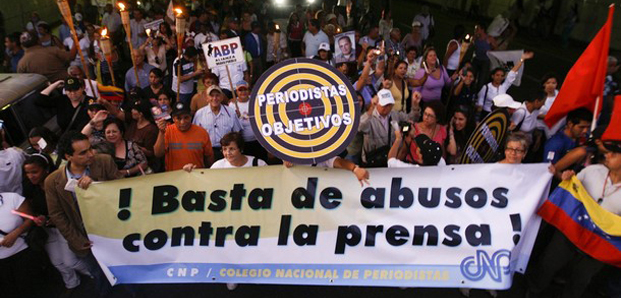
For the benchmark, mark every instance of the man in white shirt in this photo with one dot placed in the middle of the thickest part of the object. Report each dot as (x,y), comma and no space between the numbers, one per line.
(204,36)
(217,119)
(313,38)
(85,45)
(426,19)
(242,108)
(76,72)
(239,72)
(525,118)
(111,20)
(372,38)
(137,29)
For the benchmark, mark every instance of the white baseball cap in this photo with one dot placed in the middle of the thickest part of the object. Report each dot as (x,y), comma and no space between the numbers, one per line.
(385,97)
(324,46)
(506,101)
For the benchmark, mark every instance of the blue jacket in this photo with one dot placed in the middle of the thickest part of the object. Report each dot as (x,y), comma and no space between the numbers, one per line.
(250,44)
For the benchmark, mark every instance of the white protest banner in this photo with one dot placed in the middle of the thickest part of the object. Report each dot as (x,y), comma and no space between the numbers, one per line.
(506,60)
(153,26)
(453,226)
(224,52)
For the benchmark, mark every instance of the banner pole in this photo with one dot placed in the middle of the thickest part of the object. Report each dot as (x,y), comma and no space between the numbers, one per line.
(595,114)
(228,73)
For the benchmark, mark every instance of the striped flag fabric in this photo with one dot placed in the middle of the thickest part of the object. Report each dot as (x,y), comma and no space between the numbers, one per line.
(591,228)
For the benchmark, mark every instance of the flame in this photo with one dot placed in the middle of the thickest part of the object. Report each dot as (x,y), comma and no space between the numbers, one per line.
(277,27)
(148,31)
(104,32)
(121,6)
(179,11)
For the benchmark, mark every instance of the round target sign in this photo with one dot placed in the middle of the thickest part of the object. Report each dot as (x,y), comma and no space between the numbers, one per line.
(304,111)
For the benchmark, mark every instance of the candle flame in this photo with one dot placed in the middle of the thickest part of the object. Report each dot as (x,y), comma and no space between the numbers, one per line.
(104,32)
(277,27)
(179,11)
(148,31)
(121,6)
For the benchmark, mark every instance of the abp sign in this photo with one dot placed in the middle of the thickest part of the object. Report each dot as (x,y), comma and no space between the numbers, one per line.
(223,52)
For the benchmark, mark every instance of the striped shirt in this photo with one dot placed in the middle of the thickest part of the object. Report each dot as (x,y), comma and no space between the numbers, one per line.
(217,125)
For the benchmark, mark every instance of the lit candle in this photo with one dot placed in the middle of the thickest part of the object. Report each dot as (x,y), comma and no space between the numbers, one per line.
(128,33)
(106,48)
(276,41)
(180,28)
(464,47)
(65,10)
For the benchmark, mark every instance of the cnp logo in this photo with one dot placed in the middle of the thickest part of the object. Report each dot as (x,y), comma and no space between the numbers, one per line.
(304,111)
(477,268)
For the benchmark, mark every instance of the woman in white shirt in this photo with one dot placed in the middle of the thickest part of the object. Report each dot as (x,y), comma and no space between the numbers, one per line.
(155,50)
(232,148)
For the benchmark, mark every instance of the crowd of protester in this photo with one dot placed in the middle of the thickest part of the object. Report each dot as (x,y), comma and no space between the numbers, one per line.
(419,106)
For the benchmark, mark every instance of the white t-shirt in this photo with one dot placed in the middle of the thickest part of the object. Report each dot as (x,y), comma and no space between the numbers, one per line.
(427,22)
(244,119)
(312,42)
(395,163)
(225,164)
(237,74)
(9,222)
(593,178)
(85,44)
(324,164)
(201,38)
(529,120)
(11,161)
(187,68)
(491,91)
(549,101)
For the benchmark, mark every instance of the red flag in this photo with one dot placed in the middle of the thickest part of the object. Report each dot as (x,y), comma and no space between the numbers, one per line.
(585,81)
(613,132)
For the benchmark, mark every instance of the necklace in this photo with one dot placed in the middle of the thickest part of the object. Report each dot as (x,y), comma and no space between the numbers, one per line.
(601,198)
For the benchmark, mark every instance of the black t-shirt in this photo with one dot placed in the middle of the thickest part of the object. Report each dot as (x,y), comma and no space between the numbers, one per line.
(65,110)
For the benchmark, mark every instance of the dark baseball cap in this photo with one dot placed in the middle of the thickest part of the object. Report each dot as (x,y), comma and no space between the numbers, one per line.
(72,84)
(94,105)
(429,149)
(181,108)
(613,146)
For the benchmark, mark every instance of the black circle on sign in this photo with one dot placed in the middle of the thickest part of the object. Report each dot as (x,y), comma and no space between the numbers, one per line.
(303,152)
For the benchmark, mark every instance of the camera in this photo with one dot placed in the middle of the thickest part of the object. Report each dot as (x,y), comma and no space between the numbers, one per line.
(405,127)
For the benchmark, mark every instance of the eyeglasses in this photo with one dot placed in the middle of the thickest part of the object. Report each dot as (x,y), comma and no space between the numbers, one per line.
(429,115)
(515,150)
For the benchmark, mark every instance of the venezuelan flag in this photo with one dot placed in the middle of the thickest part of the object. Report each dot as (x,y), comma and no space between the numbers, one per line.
(111,93)
(594,230)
